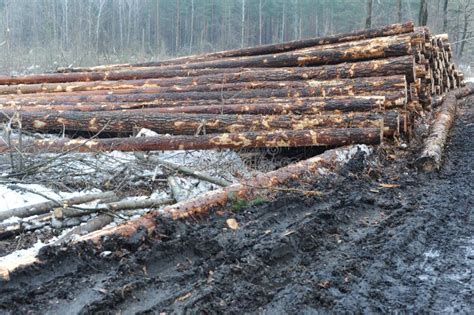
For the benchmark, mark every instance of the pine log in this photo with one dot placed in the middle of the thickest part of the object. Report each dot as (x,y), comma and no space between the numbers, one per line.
(320,137)
(191,124)
(432,154)
(381,47)
(385,83)
(268,49)
(44,207)
(343,87)
(392,99)
(354,86)
(130,74)
(266,106)
(404,65)
(246,190)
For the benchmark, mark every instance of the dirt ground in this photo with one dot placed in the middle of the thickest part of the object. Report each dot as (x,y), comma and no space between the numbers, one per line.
(359,248)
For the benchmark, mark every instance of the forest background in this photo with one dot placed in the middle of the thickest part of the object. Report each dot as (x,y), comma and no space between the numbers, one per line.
(41,35)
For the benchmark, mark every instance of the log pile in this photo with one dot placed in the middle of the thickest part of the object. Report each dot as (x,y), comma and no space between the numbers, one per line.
(343,89)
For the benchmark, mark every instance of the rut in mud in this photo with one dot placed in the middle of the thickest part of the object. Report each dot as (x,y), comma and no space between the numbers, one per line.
(359,247)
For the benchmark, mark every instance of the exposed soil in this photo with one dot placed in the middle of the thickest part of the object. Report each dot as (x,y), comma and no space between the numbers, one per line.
(359,248)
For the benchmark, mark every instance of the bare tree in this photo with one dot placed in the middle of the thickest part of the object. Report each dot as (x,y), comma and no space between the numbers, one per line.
(467,12)
(423,14)
(445,16)
(400,11)
(368,19)
(242,27)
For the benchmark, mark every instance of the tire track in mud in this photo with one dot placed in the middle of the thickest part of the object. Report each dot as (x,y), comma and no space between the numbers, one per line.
(408,248)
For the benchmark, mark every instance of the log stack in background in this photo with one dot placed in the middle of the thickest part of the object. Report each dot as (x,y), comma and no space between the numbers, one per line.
(349,88)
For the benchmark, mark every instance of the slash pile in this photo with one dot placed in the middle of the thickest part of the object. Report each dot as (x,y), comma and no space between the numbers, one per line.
(349,88)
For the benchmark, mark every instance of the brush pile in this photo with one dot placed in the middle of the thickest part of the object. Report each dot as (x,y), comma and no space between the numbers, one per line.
(343,89)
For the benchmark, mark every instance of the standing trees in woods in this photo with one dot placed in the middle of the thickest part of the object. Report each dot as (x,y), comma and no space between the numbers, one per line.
(467,13)
(423,15)
(445,16)
(368,19)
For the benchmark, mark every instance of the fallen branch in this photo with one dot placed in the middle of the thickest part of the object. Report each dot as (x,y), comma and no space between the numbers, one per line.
(44,207)
(113,206)
(188,171)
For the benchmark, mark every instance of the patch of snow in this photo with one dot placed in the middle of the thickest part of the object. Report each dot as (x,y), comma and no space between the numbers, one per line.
(344,155)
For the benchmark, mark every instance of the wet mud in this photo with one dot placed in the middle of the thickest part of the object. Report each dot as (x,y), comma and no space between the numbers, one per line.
(381,238)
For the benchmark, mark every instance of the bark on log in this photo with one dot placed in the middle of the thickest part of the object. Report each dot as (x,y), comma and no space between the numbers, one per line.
(44,207)
(194,124)
(90,226)
(404,65)
(432,154)
(270,49)
(190,172)
(320,137)
(385,83)
(381,47)
(113,206)
(266,106)
(348,87)
(191,124)
(465,91)
(242,191)
(129,74)
(344,86)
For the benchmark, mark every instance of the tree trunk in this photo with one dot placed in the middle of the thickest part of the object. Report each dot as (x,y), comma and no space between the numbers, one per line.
(445,16)
(310,105)
(400,11)
(191,124)
(381,47)
(396,98)
(320,137)
(423,15)
(432,154)
(368,19)
(334,87)
(44,82)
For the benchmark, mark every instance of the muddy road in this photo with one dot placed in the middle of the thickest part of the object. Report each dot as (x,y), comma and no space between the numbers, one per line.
(362,247)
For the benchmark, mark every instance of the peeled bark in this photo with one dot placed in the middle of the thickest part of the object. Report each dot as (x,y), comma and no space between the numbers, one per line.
(269,49)
(191,124)
(320,137)
(266,106)
(384,67)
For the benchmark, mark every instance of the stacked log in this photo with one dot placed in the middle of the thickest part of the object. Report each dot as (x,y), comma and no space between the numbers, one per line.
(357,87)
